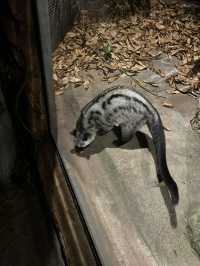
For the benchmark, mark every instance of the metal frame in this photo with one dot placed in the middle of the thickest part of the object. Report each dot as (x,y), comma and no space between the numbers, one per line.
(83,251)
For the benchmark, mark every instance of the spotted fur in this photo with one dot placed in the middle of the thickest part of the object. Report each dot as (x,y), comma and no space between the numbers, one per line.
(126,110)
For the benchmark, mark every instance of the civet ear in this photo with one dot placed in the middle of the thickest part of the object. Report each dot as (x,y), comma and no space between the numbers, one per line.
(73,132)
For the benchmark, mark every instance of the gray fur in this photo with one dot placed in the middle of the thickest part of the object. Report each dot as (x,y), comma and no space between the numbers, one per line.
(123,108)
(115,107)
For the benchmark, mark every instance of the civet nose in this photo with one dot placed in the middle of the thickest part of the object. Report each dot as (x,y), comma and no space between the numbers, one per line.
(79,149)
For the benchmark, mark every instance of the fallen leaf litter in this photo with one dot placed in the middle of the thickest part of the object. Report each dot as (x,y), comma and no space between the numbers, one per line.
(121,45)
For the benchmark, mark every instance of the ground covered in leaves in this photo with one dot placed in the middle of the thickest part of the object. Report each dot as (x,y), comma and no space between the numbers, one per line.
(125,44)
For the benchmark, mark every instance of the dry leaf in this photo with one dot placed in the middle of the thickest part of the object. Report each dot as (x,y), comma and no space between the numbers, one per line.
(160,26)
(167,128)
(71,34)
(168,105)
(55,77)
(184,88)
(175,92)
(59,92)
(75,80)
(86,84)
(65,80)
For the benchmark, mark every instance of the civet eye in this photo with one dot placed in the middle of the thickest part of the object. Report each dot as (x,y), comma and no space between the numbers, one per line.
(86,136)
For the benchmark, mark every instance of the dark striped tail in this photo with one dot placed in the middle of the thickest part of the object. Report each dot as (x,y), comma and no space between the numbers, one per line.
(158,135)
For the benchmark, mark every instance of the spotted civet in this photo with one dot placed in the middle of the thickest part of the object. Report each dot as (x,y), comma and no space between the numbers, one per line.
(126,110)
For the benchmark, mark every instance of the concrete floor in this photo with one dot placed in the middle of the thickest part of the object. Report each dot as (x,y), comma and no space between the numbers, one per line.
(131,221)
